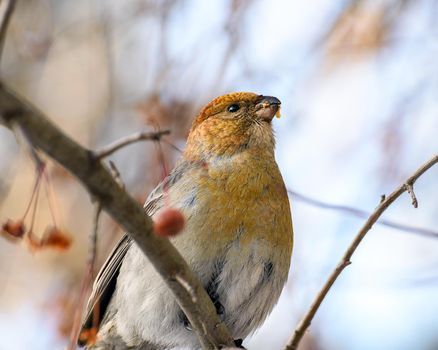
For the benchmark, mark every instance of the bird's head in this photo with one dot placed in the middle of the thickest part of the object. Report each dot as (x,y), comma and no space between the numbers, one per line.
(232,123)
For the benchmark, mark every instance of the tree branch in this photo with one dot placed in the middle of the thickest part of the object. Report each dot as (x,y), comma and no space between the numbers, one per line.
(87,280)
(140,136)
(83,163)
(6,9)
(345,261)
(410,188)
(362,214)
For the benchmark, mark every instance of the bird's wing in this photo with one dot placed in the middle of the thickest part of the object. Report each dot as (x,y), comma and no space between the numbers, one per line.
(103,289)
(106,279)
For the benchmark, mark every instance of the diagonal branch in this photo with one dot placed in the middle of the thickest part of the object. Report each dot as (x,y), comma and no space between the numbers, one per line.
(83,164)
(345,261)
(87,279)
(362,214)
(6,9)
(140,136)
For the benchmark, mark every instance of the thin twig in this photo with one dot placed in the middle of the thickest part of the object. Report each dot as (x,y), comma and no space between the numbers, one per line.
(6,9)
(92,253)
(137,137)
(176,148)
(362,214)
(88,278)
(345,261)
(116,174)
(410,189)
(124,209)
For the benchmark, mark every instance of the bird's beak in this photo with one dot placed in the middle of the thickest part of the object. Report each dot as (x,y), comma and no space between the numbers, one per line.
(267,107)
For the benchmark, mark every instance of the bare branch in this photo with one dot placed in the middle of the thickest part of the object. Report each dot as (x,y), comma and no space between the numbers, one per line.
(6,9)
(82,163)
(93,241)
(345,261)
(140,136)
(87,279)
(410,189)
(363,214)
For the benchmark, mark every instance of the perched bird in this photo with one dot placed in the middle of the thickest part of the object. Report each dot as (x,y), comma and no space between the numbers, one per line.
(237,237)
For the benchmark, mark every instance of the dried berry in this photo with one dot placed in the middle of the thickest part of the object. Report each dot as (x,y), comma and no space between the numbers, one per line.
(13,230)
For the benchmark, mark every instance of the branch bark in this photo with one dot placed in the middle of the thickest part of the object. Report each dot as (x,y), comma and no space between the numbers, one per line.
(15,111)
(345,261)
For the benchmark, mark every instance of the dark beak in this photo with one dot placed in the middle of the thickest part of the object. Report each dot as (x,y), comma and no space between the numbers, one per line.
(267,107)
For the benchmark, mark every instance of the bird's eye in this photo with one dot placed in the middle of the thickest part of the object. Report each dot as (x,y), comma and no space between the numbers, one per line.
(233,108)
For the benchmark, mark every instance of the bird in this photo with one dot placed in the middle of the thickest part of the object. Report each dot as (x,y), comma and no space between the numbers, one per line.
(237,237)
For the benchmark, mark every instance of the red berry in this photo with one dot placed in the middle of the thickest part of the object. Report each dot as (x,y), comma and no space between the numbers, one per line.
(168,222)
(13,229)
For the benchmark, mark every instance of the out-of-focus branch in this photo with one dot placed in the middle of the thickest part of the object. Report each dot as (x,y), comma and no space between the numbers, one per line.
(6,9)
(362,214)
(345,261)
(137,137)
(42,134)
(87,279)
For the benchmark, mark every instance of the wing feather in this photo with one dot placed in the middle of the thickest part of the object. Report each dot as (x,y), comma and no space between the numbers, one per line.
(105,283)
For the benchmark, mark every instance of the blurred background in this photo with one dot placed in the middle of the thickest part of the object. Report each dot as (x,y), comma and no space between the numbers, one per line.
(358,81)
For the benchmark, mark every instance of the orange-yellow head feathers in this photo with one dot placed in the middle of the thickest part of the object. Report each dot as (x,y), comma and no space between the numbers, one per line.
(231,123)
(240,105)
